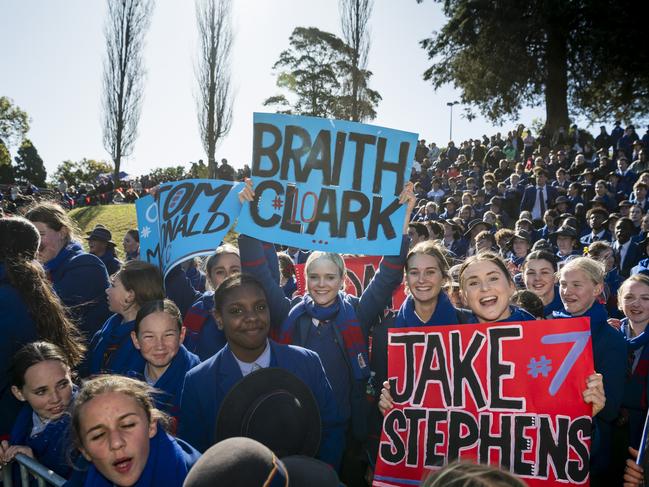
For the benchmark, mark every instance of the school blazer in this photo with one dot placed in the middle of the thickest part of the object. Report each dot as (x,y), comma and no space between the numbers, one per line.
(207,384)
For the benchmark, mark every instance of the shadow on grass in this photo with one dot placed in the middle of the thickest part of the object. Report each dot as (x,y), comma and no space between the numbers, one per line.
(86,215)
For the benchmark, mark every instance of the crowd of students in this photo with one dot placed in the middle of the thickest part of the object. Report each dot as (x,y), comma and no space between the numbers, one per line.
(165,354)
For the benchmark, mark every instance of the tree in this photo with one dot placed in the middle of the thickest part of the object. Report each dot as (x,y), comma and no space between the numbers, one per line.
(214,99)
(359,99)
(83,171)
(164,174)
(14,122)
(576,58)
(6,170)
(123,81)
(312,69)
(29,165)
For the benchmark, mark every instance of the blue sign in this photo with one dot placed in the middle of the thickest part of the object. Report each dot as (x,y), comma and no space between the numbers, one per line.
(327,184)
(185,219)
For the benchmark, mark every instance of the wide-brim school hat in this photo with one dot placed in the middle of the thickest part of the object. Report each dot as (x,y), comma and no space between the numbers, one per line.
(100,233)
(565,231)
(275,408)
(243,461)
(475,223)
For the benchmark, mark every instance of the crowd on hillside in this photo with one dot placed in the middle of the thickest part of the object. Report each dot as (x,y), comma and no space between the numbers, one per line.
(496,230)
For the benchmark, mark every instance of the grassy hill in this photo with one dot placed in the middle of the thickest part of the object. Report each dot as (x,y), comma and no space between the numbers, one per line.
(117,218)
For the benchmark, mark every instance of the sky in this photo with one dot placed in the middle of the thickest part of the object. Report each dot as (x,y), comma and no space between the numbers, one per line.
(51,55)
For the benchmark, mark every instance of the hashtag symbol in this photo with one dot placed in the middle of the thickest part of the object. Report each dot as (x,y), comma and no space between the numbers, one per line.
(277,203)
(541,366)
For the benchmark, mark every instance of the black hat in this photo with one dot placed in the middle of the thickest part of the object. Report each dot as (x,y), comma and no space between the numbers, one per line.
(496,200)
(565,231)
(450,200)
(561,199)
(475,223)
(522,235)
(243,461)
(625,203)
(101,233)
(275,408)
(587,172)
(542,244)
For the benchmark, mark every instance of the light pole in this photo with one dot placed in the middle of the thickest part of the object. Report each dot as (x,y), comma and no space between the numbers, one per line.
(450,130)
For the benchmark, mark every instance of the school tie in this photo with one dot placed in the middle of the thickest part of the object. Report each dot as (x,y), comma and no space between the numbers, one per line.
(542,201)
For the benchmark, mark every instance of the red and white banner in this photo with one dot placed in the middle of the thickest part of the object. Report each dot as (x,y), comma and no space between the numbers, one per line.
(507,394)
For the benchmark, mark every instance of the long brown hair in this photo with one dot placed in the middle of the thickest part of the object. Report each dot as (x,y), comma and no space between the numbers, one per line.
(54,216)
(19,241)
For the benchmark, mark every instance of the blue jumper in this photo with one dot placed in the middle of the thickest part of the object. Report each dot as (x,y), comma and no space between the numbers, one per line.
(16,330)
(609,354)
(111,350)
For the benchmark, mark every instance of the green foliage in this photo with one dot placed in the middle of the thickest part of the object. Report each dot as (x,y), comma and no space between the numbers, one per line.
(169,173)
(29,165)
(199,170)
(580,58)
(83,171)
(6,170)
(14,122)
(313,70)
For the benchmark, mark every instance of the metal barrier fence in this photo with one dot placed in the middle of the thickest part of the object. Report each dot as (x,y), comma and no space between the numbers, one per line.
(30,469)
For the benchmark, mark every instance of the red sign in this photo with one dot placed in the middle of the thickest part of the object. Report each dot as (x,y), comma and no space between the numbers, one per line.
(507,394)
(360,271)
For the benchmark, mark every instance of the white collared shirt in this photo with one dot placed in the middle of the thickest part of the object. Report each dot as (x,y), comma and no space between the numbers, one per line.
(536,211)
(262,362)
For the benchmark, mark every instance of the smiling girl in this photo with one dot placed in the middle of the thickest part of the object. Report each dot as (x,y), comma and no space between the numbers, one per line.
(111,349)
(326,319)
(158,335)
(41,378)
(486,287)
(204,338)
(427,272)
(581,282)
(117,429)
(633,299)
(539,276)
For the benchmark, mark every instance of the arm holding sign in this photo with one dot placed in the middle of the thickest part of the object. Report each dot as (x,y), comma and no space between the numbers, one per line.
(633,473)
(378,293)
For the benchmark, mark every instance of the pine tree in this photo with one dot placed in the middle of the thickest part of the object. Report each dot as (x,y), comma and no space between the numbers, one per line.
(29,165)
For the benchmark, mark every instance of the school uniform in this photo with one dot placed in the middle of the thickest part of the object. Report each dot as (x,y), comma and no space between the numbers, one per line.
(516,314)
(170,383)
(609,354)
(634,400)
(17,328)
(49,441)
(81,280)
(555,305)
(338,333)
(111,262)
(179,289)
(206,386)
(445,314)
(169,462)
(203,336)
(111,350)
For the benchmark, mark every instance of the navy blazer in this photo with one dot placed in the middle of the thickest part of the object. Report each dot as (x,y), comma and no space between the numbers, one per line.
(633,256)
(588,239)
(529,197)
(207,384)
(81,281)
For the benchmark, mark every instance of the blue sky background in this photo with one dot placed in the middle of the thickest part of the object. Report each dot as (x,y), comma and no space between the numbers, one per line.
(51,54)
